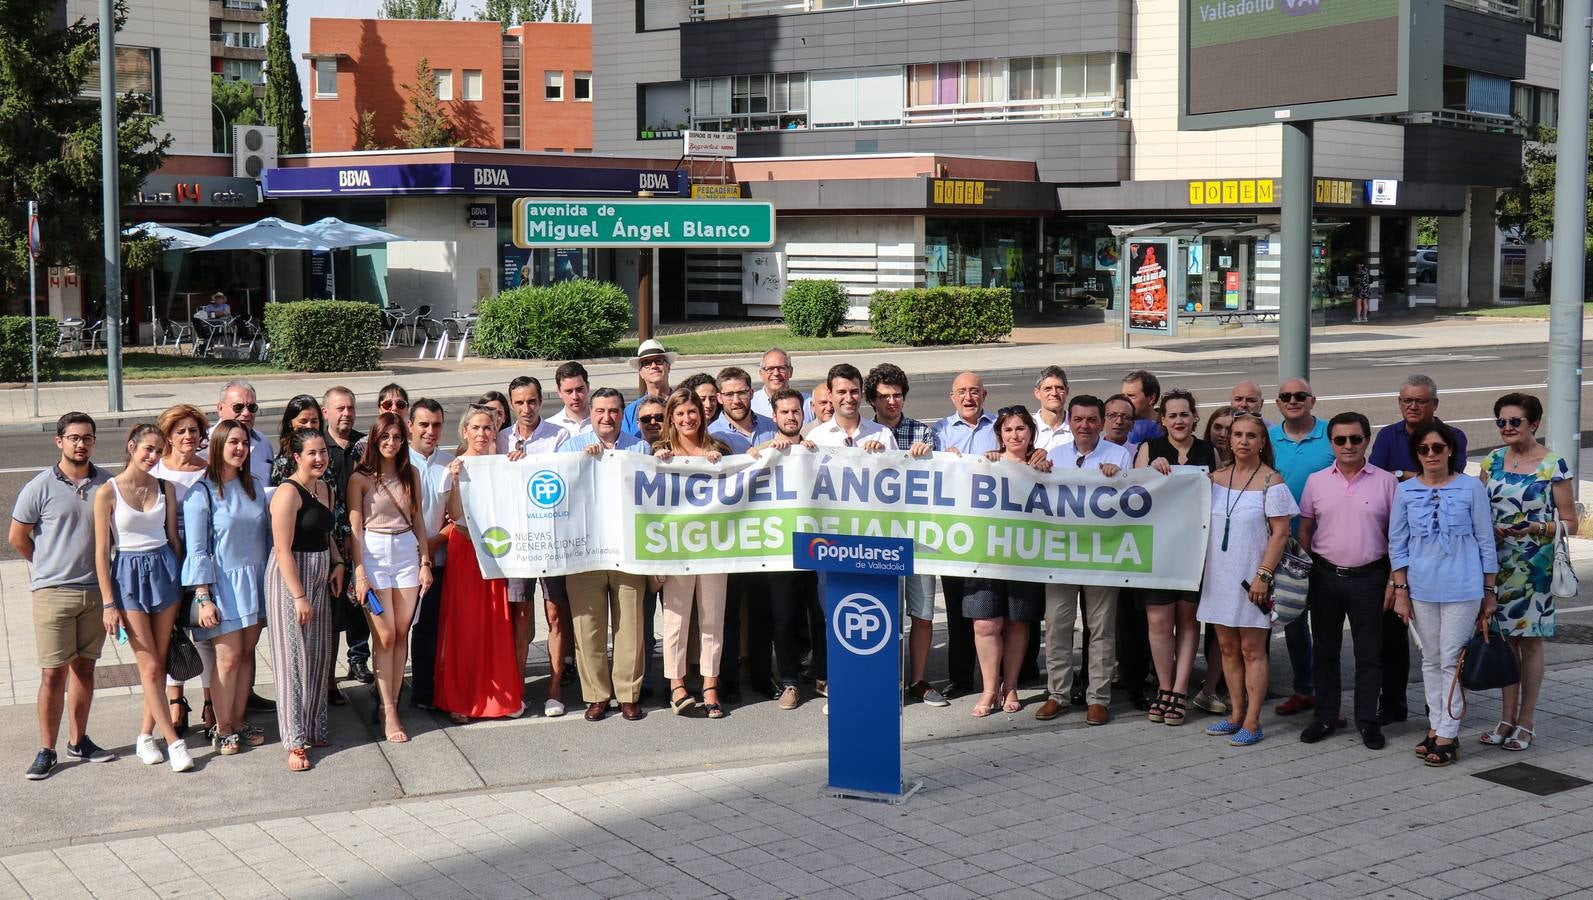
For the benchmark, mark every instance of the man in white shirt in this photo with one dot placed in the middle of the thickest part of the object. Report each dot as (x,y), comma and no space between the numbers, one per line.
(575,390)
(777,370)
(529,432)
(1051,420)
(1086,415)
(431,464)
(847,428)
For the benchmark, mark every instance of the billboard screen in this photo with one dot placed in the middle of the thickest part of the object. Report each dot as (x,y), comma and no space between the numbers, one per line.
(1249,62)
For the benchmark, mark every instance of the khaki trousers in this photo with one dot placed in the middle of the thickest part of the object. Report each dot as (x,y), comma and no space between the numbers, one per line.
(1100,616)
(598,601)
(682,595)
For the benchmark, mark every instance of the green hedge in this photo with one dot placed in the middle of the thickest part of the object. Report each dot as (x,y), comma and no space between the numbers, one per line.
(814,308)
(570,320)
(325,335)
(941,315)
(16,357)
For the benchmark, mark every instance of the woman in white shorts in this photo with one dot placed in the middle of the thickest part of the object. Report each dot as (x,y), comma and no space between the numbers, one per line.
(384,512)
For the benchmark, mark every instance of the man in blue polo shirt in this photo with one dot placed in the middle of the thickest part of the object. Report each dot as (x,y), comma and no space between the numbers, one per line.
(1418,405)
(1301,448)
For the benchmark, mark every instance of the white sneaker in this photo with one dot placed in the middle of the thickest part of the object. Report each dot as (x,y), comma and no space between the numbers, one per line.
(180,760)
(553,709)
(148,753)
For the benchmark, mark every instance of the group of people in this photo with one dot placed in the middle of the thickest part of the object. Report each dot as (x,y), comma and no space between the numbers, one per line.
(214,531)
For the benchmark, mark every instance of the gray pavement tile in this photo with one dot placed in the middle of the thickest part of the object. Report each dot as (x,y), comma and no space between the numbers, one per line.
(914,879)
(947,892)
(1246,886)
(1469,879)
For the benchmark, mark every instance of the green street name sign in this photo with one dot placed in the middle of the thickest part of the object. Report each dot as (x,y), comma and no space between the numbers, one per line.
(643,223)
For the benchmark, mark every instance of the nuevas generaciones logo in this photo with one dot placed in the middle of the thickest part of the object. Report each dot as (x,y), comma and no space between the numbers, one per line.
(496,542)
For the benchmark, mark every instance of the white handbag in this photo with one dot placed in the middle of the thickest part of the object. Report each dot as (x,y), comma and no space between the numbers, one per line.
(1563,584)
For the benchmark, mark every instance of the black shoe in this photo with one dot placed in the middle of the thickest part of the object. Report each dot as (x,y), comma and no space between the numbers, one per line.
(567,677)
(1372,737)
(88,751)
(958,690)
(1139,699)
(1315,731)
(257,703)
(360,670)
(1391,716)
(43,765)
(334,697)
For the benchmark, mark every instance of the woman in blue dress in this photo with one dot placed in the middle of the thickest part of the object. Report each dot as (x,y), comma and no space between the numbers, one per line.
(227,527)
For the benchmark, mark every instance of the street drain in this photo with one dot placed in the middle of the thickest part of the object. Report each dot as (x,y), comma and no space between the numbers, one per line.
(1532,779)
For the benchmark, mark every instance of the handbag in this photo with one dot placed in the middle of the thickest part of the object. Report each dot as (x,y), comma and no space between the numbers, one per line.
(1563,583)
(1291,581)
(1487,663)
(182,657)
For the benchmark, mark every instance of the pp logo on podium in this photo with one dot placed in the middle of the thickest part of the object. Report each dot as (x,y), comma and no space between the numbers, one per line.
(861,623)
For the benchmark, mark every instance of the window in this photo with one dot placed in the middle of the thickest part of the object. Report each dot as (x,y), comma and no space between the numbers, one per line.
(250,70)
(880,94)
(326,78)
(138,72)
(834,99)
(664,110)
(233,36)
(583,86)
(470,84)
(553,85)
(445,83)
(656,15)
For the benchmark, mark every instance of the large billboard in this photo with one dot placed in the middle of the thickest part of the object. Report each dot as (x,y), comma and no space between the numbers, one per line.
(1251,62)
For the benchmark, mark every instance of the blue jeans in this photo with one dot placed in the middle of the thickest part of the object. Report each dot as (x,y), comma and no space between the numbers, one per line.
(1297,637)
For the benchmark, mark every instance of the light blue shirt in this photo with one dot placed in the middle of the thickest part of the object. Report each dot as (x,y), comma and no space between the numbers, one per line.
(433,494)
(763,406)
(1300,459)
(762,430)
(228,543)
(979,437)
(1444,536)
(626,442)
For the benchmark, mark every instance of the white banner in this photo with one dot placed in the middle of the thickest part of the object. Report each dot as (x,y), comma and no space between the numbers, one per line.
(554,514)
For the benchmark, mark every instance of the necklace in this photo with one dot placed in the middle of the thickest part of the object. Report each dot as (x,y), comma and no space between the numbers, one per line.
(1233,503)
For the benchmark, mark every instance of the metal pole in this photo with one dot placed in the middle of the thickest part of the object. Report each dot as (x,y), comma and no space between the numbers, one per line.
(33,302)
(1294,306)
(644,294)
(224,129)
(111,197)
(1570,243)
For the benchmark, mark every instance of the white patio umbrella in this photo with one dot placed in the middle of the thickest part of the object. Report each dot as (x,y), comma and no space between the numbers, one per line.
(170,239)
(336,234)
(269,236)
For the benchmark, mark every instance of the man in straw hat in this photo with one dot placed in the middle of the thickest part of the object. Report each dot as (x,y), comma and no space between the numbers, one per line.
(652,363)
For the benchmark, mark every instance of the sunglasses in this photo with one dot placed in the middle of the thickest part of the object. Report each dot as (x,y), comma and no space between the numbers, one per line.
(240,407)
(395,404)
(1355,440)
(651,420)
(1512,422)
(1432,449)
(1293,396)
(1019,410)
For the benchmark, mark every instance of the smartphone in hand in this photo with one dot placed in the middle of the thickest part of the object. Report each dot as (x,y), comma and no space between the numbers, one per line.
(1266,606)
(373,603)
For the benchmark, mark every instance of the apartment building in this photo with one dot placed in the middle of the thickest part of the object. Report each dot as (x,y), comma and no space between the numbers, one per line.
(238,41)
(952,94)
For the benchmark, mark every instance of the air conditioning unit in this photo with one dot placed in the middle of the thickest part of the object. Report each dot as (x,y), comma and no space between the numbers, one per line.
(254,149)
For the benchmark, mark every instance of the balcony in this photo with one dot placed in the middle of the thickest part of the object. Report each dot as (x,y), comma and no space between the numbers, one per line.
(1015,111)
(1504,9)
(707,10)
(237,10)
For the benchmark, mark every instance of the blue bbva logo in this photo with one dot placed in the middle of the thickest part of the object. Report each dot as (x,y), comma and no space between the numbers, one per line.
(545,489)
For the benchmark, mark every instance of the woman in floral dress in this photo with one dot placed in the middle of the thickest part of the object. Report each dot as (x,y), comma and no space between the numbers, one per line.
(1529,488)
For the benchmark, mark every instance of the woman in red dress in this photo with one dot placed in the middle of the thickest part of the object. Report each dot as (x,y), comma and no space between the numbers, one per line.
(477,676)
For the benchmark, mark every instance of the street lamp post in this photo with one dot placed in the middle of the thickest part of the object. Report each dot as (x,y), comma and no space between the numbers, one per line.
(224,128)
(111,197)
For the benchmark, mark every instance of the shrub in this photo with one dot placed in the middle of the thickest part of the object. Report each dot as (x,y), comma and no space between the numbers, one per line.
(16,359)
(941,315)
(325,335)
(569,320)
(814,308)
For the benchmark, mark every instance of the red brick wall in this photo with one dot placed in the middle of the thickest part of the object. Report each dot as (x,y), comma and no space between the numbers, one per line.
(566,124)
(381,55)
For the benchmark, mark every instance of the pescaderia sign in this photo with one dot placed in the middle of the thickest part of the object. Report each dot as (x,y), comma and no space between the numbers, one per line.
(560,513)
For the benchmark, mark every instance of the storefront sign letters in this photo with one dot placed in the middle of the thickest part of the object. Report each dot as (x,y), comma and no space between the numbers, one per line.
(469,180)
(172,190)
(1335,192)
(1232,192)
(716,144)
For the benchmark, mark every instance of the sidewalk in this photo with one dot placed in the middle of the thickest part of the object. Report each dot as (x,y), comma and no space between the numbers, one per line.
(1031,347)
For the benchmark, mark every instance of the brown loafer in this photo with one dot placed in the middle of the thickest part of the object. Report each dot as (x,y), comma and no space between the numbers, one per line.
(1097,715)
(596,711)
(1050,709)
(630,712)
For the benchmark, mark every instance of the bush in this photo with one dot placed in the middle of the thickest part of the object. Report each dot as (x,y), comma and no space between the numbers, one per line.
(814,308)
(16,359)
(941,315)
(325,335)
(569,320)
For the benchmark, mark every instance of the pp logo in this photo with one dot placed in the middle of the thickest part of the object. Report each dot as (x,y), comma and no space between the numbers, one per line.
(496,542)
(861,623)
(545,489)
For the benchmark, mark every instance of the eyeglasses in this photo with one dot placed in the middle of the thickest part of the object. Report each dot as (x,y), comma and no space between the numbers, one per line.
(1414,401)
(774,370)
(884,397)
(742,394)
(968,392)
(1019,410)
(79,438)
(1433,449)
(1119,416)
(651,420)
(395,405)
(1293,396)
(240,407)
(1512,422)
(1354,440)
(849,442)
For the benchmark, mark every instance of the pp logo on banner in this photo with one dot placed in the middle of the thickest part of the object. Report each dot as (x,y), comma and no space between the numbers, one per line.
(545,489)
(861,623)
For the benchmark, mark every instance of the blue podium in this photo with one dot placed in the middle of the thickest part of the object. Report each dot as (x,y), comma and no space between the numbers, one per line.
(860,580)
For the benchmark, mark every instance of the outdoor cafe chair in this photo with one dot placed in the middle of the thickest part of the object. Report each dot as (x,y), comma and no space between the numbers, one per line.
(70,336)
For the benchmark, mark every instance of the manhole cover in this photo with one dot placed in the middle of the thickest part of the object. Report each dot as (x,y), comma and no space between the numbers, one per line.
(1532,779)
(1573,634)
(124,675)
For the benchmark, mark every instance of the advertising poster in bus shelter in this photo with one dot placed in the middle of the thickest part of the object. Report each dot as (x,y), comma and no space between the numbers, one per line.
(1149,288)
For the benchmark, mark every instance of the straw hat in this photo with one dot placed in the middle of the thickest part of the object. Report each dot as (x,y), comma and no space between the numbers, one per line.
(651,348)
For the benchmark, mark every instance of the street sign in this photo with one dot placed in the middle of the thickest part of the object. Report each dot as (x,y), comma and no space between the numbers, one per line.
(744,224)
(35,242)
(717,144)
(861,581)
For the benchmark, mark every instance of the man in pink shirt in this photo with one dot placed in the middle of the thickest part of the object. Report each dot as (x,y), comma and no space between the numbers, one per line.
(1344,513)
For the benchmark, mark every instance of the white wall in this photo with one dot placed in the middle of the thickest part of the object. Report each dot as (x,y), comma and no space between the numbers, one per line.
(444,266)
(180,30)
(1359,150)
(1543,62)
(863,253)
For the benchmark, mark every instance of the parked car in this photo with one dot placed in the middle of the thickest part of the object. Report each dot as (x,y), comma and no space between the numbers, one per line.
(1426,266)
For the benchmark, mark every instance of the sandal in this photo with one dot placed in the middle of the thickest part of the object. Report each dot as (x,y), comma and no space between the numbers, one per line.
(1517,742)
(180,721)
(459,718)
(984,708)
(253,735)
(1499,735)
(682,704)
(714,710)
(226,745)
(1426,745)
(1442,754)
(1156,712)
(1012,703)
(394,731)
(299,761)
(207,714)
(1173,710)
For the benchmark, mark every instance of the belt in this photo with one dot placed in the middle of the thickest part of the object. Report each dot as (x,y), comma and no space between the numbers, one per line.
(1353,571)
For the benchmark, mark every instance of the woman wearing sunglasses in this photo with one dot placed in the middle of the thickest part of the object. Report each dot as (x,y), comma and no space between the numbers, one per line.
(1530,489)
(1441,547)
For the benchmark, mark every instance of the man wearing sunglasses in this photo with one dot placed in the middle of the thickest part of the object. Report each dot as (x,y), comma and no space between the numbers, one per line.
(1344,514)
(1418,405)
(652,363)
(238,403)
(1301,447)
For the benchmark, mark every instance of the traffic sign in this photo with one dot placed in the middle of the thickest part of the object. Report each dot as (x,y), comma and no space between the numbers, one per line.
(643,223)
(35,242)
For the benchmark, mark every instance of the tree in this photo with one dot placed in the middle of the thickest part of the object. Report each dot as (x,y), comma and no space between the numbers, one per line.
(515,12)
(284,99)
(365,131)
(50,138)
(426,123)
(418,9)
(1529,203)
(238,105)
